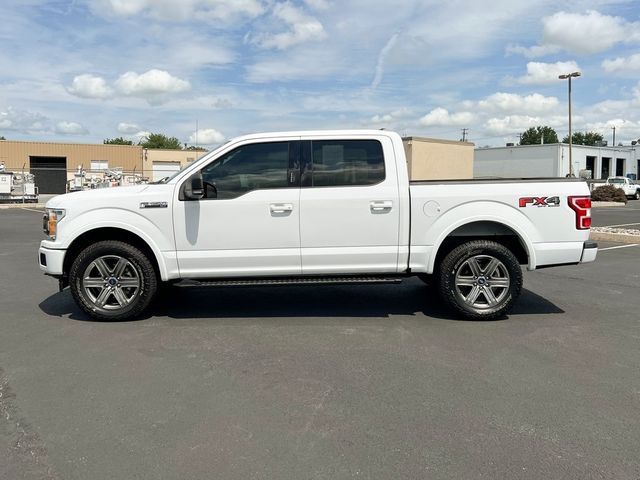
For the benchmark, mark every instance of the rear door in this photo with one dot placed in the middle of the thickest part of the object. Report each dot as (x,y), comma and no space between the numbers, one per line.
(349,205)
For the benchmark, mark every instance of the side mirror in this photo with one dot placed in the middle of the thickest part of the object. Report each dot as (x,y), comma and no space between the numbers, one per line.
(194,187)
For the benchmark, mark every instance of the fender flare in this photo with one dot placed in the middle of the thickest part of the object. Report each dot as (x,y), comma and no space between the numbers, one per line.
(466,214)
(108,220)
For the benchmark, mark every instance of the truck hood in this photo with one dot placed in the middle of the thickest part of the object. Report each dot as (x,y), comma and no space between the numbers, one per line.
(102,196)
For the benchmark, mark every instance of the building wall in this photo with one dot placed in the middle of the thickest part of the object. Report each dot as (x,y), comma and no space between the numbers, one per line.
(433,159)
(528,161)
(129,158)
(517,162)
(170,156)
(15,154)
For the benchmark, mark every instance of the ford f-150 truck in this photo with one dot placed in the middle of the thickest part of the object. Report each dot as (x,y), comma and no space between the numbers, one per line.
(312,208)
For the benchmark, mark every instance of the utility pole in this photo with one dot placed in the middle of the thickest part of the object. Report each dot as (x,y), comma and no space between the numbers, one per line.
(520,142)
(464,134)
(614,136)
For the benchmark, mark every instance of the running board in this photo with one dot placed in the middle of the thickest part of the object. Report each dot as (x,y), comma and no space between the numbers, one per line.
(250,282)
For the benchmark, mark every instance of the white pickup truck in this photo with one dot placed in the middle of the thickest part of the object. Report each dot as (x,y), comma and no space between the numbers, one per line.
(630,188)
(312,208)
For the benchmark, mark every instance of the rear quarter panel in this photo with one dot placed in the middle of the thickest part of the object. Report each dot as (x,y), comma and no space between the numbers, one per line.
(438,209)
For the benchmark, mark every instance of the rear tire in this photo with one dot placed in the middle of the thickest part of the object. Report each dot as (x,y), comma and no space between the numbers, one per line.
(480,280)
(113,280)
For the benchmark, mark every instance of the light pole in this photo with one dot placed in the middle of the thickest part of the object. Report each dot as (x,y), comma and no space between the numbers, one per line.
(569,76)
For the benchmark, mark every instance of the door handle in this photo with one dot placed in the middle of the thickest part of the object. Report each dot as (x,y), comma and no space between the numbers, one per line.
(381,206)
(280,208)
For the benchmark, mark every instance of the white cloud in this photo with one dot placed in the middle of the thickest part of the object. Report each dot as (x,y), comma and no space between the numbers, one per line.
(587,33)
(511,124)
(150,84)
(581,33)
(70,128)
(441,116)
(207,136)
(622,64)
(90,86)
(181,10)
(22,120)
(532,52)
(512,103)
(539,73)
(128,128)
(391,117)
(302,28)
(317,4)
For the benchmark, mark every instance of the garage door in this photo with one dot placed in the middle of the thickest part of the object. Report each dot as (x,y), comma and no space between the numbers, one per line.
(164,169)
(50,172)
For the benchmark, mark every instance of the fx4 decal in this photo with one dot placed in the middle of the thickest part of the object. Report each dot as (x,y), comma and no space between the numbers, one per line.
(539,202)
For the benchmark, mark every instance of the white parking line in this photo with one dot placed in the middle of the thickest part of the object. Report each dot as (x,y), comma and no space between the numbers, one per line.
(619,246)
(33,210)
(621,225)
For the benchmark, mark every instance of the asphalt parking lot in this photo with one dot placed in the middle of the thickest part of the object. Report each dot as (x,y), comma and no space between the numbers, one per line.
(625,216)
(323,383)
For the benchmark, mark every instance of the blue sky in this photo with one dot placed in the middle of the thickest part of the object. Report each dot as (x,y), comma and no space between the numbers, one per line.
(85,70)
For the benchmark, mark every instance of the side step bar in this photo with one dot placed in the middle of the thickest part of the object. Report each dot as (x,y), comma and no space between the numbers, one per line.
(249,282)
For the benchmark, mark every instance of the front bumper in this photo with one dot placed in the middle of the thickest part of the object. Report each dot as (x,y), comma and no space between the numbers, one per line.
(589,252)
(51,261)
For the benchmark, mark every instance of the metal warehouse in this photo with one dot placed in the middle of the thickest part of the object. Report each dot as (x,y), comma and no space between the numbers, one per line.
(53,164)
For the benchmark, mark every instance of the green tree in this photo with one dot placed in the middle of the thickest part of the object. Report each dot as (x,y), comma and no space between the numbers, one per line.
(160,140)
(117,141)
(196,149)
(2,138)
(586,138)
(533,135)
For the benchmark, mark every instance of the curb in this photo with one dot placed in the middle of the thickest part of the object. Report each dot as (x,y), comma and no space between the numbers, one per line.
(607,204)
(7,206)
(614,237)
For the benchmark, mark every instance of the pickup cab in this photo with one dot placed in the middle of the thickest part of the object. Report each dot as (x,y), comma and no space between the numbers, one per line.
(312,208)
(630,188)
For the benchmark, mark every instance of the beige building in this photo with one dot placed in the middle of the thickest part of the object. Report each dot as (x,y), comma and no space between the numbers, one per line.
(434,159)
(54,164)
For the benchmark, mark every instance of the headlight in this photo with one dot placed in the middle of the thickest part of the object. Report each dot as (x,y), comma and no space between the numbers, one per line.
(51,220)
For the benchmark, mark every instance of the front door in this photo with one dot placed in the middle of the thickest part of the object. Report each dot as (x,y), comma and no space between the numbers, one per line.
(349,206)
(248,222)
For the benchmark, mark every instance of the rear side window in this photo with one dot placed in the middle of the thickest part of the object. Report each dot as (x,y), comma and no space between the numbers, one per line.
(249,167)
(335,163)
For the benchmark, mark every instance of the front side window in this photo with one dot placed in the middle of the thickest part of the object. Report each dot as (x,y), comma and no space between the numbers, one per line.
(344,163)
(249,167)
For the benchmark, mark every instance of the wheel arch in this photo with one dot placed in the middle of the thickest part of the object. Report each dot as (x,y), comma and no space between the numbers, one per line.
(508,235)
(113,233)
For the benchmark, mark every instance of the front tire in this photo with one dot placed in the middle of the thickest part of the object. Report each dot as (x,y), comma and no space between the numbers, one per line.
(113,280)
(481,280)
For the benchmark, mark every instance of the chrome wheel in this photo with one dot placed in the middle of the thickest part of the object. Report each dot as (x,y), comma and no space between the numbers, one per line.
(482,281)
(111,282)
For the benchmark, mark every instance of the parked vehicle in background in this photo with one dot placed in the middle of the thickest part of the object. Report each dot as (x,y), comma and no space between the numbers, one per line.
(313,208)
(630,187)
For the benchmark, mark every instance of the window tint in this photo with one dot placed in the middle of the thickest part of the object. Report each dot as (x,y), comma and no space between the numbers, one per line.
(250,167)
(345,162)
